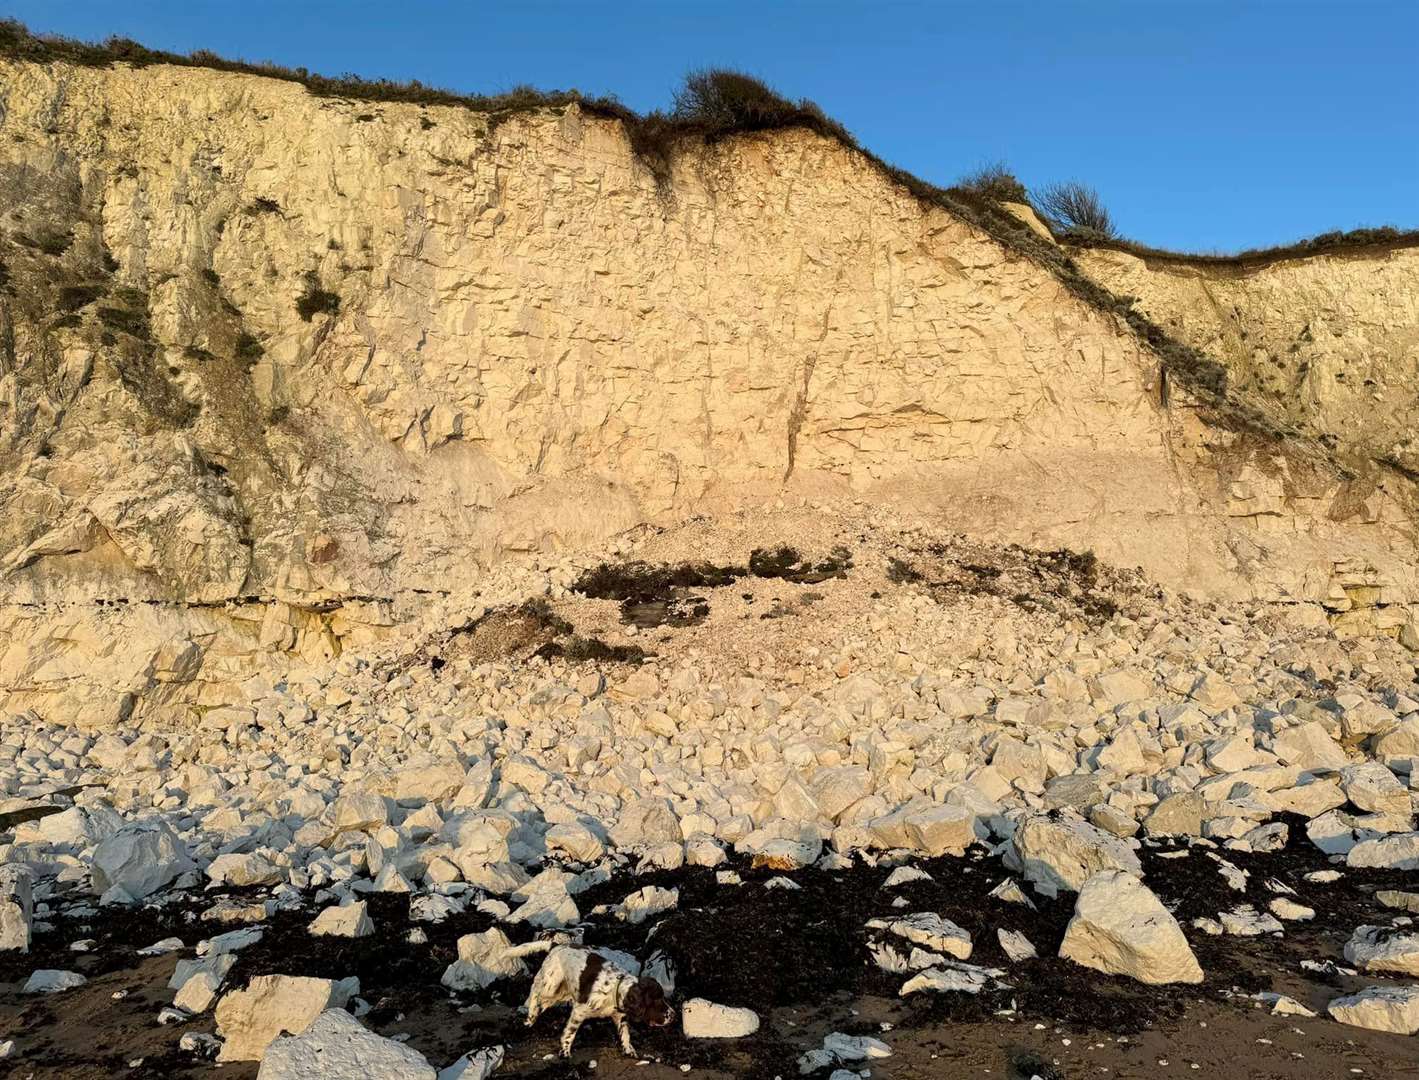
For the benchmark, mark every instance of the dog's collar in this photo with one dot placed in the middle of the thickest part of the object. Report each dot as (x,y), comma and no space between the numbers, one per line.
(623,988)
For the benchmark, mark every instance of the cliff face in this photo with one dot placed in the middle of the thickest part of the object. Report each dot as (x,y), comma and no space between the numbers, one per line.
(1328,341)
(274,368)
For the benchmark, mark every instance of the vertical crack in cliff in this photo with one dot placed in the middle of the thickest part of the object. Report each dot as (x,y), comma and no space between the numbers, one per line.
(796,414)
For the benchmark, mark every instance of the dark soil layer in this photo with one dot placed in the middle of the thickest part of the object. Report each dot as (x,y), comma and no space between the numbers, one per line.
(666,595)
(774,950)
(531,629)
(1064,583)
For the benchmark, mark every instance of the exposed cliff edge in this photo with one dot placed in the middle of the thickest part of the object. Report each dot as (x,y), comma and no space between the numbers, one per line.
(275,368)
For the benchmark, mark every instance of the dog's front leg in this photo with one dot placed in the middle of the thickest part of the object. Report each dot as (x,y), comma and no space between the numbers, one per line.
(625,1031)
(579,1016)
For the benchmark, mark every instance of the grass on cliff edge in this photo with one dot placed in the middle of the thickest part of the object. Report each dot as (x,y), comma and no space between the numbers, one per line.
(715,105)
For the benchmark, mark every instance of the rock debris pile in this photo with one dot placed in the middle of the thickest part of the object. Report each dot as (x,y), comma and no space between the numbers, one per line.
(1127,780)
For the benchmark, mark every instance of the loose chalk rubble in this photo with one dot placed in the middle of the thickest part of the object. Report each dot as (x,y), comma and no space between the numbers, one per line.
(1072,751)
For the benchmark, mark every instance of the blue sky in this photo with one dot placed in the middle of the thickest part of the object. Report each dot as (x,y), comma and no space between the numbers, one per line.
(1204,124)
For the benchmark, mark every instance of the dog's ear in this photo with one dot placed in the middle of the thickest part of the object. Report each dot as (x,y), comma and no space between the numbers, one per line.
(645,1001)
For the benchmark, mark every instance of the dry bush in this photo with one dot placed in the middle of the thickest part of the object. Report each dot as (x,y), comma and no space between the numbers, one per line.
(1074,207)
(994,181)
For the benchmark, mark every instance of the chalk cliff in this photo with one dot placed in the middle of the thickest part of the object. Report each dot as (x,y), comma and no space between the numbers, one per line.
(275,368)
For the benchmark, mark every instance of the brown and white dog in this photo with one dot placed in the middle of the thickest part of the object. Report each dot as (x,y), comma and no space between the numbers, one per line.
(596,989)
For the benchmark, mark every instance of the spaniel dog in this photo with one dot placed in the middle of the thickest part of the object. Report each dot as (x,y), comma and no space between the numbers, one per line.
(595,989)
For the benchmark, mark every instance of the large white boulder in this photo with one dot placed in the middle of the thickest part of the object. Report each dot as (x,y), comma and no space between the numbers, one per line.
(1062,851)
(703,1019)
(647,903)
(1399,745)
(944,830)
(249,1020)
(16,908)
(50,981)
(839,787)
(250,868)
(336,1044)
(1398,852)
(1176,815)
(644,822)
(1309,746)
(1371,786)
(356,811)
(576,840)
(1310,800)
(140,859)
(424,782)
(1380,1008)
(1382,949)
(215,966)
(344,920)
(1120,927)
(77,826)
(485,958)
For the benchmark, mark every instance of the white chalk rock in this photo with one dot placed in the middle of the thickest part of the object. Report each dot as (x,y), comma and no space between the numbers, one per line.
(232,941)
(703,1019)
(1398,852)
(199,992)
(1309,746)
(839,1048)
(1400,900)
(902,875)
(1015,945)
(781,854)
(49,981)
(485,958)
(648,902)
(344,920)
(704,851)
(1065,851)
(1290,910)
(1371,786)
(944,830)
(218,967)
(1281,1005)
(475,1065)
(1120,927)
(140,859)
(1381,949)
(1246,921)
(646,821)
(928,929)
(956,979)
(357,811)
(336,1044)
(16,908)
(576,841)
(249,1020)
(1380,1008)
(247,869)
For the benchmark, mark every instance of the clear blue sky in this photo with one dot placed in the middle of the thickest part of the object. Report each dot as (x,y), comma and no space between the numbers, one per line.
(1205,124)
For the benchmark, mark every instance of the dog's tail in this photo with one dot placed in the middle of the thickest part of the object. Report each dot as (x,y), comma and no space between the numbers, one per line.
(532,948)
